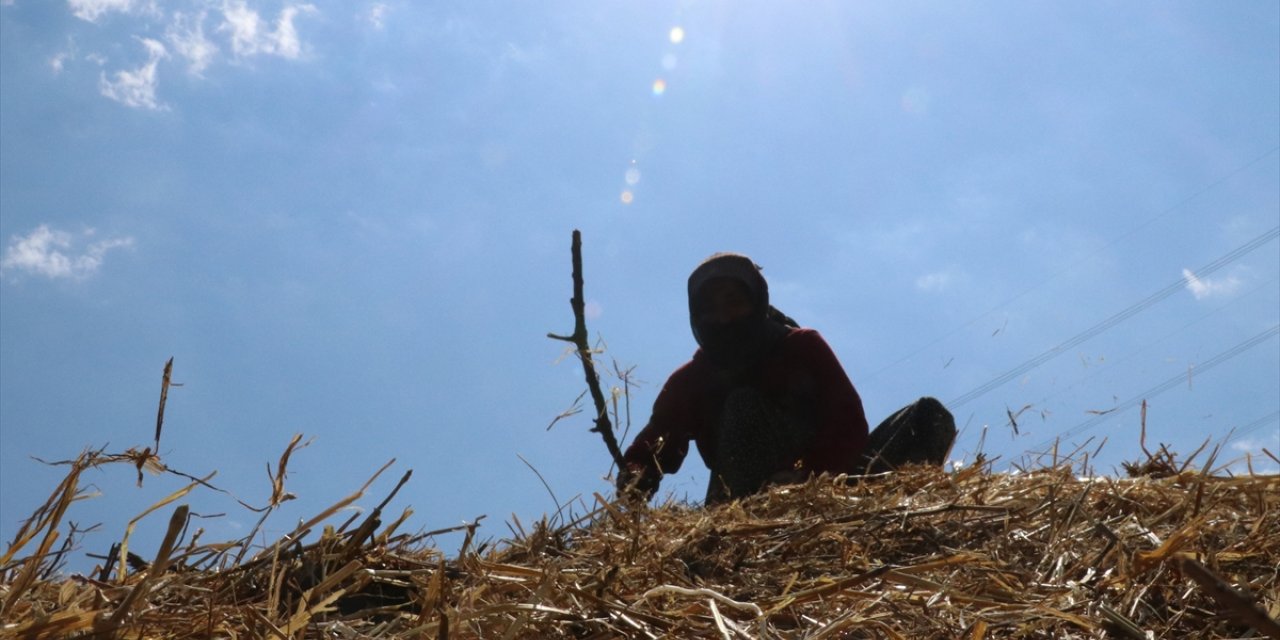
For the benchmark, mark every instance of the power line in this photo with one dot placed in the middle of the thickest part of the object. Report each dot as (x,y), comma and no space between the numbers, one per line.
(1113,362)
(1112,321)
(1146,223)
(1254,426)
(1163,386)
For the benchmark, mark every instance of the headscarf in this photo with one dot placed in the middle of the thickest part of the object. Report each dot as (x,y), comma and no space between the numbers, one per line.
(736,345)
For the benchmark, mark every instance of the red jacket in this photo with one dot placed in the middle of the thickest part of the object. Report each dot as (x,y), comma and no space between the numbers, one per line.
(801,365)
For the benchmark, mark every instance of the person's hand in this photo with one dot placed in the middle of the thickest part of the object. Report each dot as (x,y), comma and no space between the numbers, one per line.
(636,483)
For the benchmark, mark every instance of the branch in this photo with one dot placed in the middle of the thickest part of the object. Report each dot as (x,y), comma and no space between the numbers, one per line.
(579,340)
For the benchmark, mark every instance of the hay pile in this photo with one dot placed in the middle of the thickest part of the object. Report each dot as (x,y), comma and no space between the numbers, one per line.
(921,553)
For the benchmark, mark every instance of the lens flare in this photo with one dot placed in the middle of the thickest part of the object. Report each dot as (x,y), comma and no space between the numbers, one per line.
(676,35)
(633,176)
(659,87)
(627,197)
(669,61)
(916,101)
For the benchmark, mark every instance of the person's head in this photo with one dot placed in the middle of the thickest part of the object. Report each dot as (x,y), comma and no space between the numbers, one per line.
(728,307)
(722,300)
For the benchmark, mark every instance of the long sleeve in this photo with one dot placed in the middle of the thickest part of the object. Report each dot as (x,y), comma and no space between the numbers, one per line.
(662,445)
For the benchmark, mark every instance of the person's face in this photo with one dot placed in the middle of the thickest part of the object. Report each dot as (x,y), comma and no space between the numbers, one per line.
(721,301)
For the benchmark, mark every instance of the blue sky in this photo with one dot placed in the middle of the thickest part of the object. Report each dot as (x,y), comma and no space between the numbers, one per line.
(352,220)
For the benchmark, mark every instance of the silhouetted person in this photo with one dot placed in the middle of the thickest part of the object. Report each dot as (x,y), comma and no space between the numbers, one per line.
(767,402)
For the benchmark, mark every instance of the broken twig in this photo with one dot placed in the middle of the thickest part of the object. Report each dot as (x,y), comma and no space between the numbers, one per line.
(579,340)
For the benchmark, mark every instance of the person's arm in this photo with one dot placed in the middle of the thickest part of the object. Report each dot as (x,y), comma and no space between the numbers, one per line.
(842,424)
(662,445)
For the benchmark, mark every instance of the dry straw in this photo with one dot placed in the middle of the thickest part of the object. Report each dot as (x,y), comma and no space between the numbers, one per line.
(919,553)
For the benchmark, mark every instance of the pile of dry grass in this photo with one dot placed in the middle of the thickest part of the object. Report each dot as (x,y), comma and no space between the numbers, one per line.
(920,553)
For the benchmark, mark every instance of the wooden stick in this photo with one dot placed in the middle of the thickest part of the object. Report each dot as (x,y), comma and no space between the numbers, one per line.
(579,340)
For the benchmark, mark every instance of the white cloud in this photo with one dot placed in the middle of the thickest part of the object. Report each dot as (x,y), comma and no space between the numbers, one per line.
(1204,288)
(91,10)
(59,60)
(938,280)
(186,35)
(250,35)
(1255,445)
(238,28)
(377,15)
(1252,447)
(55,254)
(137,88)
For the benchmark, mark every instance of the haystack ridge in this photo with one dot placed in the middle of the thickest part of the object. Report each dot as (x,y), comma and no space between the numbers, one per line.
(918,553)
